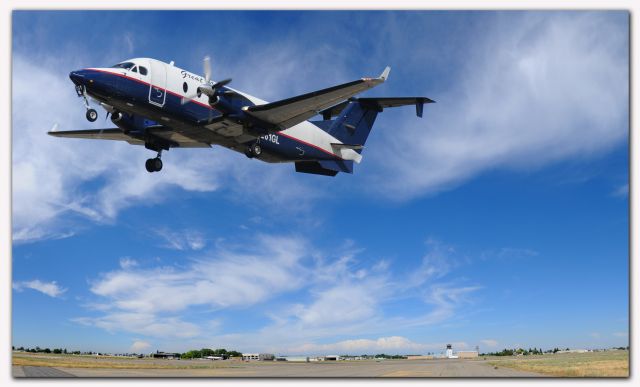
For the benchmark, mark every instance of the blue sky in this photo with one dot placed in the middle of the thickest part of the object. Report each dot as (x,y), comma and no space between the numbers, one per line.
(500,219)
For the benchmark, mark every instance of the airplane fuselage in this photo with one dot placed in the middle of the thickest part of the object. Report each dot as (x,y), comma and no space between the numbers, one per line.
(157,93)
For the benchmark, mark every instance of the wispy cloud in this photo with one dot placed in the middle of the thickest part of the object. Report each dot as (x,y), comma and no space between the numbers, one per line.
(182,240)
(622,191)
(51,289)
(337,293)
(538,88)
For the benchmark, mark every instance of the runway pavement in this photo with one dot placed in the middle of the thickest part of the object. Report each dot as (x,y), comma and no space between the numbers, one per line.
(346,369)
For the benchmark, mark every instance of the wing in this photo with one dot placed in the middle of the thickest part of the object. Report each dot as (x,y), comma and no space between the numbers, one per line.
(379,103)
(291,111)
(175,139)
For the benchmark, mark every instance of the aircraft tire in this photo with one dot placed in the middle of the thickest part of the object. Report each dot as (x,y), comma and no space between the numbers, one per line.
(149,165)
(157,164)
(92,115)
(256,149)
(248,152)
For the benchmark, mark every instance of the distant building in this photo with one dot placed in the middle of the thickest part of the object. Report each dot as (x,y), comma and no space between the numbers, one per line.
(258,356)
(449,353)
(165,355)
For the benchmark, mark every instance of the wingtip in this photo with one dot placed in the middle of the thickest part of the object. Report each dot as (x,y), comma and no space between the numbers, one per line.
(385,73)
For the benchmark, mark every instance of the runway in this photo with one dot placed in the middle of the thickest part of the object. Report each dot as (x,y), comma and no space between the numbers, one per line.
(348,369)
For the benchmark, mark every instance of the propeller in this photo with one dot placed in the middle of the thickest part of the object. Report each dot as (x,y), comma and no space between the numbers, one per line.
(206,88)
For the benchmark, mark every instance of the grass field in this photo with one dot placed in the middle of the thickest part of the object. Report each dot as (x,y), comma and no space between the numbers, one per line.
(590,364)
(113,362)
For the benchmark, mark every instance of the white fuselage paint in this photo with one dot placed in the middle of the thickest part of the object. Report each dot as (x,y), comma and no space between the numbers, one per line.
(175,77)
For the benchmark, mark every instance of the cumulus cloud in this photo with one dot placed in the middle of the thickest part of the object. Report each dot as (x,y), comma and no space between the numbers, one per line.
(139,346)
(389,345)
(51,289)
(538,88)
(489,343)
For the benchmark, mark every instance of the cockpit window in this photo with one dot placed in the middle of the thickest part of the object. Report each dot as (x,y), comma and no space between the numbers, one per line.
(143,70)
(124,65)
(134,69)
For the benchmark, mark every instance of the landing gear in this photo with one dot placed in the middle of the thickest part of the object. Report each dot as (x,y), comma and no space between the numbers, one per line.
(154,165)
(253,150)
(92,115)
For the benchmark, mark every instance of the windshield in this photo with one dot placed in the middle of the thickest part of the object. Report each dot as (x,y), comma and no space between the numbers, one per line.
(123,65)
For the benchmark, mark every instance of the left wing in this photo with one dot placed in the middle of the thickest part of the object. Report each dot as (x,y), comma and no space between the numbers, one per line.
(291,111)
(176,140)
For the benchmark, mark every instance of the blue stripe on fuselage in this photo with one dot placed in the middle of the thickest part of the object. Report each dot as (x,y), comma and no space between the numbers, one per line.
(282,146)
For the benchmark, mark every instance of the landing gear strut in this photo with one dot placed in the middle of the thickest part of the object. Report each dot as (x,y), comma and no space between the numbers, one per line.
(92,114)
(253,150)
(154,165)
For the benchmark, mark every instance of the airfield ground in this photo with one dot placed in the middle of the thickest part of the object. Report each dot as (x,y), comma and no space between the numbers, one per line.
(613,363)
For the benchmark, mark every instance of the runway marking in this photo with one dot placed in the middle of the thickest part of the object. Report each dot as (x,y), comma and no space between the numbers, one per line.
(45,372)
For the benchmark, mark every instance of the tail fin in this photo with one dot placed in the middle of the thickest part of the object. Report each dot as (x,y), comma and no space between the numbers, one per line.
(354,124)
(357,115)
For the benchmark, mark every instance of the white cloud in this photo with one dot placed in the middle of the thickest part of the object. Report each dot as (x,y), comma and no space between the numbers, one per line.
(537,89)
(622,191)
(139,346)
(389,345)
(143,300)
(51,289)
(621,334)
(489,343)
(182,240)
(127,263)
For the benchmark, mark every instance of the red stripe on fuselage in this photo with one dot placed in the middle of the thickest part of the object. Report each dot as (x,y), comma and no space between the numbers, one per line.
(210,107)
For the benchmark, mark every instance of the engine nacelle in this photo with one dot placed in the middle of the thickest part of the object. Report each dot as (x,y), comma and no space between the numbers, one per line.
(130,123)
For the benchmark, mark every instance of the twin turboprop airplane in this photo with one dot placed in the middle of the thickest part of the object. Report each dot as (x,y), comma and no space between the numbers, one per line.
(161,106)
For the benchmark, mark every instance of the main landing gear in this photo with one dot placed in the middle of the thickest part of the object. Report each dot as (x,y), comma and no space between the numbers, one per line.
(92,114)
(253,150)
(154,165)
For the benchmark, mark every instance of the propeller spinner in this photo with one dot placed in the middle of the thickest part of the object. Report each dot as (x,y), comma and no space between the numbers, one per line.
(206,88)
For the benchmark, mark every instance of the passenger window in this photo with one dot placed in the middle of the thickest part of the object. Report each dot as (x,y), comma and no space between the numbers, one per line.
(134,69)
(143,70)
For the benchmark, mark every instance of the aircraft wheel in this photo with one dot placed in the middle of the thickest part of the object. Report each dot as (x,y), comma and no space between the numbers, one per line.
(157,164)
(248,153)
(149,165)
(92,115)
(256,149)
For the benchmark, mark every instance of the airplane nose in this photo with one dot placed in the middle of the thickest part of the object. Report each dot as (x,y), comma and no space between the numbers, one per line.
(77,77)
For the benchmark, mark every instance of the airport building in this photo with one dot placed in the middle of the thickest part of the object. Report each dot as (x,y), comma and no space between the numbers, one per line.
(258,356)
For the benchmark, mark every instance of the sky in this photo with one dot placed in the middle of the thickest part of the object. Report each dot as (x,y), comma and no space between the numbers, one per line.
(498,220)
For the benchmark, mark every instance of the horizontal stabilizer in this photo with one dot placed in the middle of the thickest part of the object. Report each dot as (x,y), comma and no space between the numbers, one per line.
(347,146)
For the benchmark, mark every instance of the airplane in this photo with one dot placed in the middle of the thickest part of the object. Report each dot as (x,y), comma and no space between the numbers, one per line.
(162,106)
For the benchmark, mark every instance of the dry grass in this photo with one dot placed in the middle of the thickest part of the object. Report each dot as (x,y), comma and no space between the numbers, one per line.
(78,361)
(590,364)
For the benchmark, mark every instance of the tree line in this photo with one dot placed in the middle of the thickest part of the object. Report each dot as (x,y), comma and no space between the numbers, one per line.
(204,352)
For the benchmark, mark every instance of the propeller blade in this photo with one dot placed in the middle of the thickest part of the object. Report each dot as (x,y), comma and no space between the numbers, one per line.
(188,98)
(219,84)
(54,127)
(206,65)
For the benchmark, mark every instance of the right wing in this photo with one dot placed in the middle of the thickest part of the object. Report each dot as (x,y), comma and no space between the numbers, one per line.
(133,138)
(291,111)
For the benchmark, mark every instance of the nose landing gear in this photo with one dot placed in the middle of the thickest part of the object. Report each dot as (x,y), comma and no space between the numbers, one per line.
(154,165)
(92,114)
